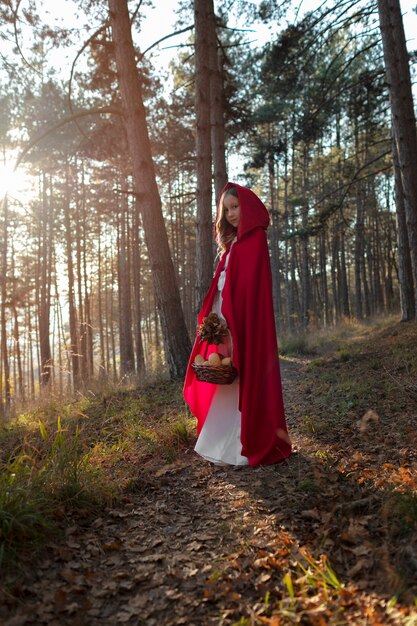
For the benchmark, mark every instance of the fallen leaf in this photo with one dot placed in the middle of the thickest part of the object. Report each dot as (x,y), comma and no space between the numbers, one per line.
(362,564)
(311,514)
(370,418)
(68,575)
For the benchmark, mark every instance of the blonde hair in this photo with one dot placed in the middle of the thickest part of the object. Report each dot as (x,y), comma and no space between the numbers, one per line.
(225,232)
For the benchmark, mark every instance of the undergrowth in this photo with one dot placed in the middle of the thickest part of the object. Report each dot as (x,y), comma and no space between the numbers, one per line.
(73,459)
(319,341)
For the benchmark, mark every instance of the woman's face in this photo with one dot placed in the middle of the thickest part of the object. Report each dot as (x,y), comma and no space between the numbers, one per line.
(231,208)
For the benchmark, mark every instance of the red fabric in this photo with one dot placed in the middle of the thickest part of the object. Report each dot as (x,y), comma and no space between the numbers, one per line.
(248,309)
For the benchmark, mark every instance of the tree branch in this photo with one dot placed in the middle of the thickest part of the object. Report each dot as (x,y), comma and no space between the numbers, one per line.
(77,56)
(16,39)
(135,12)
(60,124)
(318,222)
(178,32)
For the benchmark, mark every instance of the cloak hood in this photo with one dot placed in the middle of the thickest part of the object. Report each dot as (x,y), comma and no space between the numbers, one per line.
(253,212)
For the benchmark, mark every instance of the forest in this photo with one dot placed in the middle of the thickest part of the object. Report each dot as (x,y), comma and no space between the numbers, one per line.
(99,279)
(111,169)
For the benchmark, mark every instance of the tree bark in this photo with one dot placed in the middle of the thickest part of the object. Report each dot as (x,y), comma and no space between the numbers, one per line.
(4,350)
(16,336)
(323,277)
(102,371)
(127,359)
(87,301)
(82,331)
(343,276)
(31,367)
(403,117)
(44,303)
(176,340)
(73,324)
(216,105)
(274,245)
(137,263)
(304,240)
(405,271)
(204,239)
(334,246)
(359,250)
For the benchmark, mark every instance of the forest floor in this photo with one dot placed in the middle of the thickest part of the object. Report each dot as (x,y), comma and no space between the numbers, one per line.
(328,537)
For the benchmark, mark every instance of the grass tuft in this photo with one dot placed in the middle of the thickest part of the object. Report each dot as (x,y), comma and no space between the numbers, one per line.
(293,345)
(25,511)
(401,508)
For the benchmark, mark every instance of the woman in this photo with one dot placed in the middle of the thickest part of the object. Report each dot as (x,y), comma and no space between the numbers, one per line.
(244,422)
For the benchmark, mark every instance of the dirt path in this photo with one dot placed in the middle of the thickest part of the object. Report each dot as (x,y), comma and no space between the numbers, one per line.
(158,558)
(198,544)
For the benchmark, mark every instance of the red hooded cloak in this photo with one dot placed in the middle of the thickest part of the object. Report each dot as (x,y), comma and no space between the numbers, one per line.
(248,309)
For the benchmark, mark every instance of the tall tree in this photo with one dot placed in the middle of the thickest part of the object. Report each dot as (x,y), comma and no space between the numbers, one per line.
(217,98)
(205,38)
(44,304)
(5,365)
(405,271)
(127,359)
(176,339)
(403,117)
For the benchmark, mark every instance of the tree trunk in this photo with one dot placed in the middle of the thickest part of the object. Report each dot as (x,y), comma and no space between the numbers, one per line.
(359,250)
(137,262)
(31,367)
(333,245)
(111,317)
(343,276)
(323,277)
(405,271)
(61,340)
(87,303)
(127,359)
(176,340)
(204,239)
(216,105)
(44,304)
(74,343)
(286,267)
(274,245)
(388,252)
(4,349)
(16,336)
(82,332)
(403,117)
(304,239)
(102,371)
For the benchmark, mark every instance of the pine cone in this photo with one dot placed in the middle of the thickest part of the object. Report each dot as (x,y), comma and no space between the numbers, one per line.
(212,329)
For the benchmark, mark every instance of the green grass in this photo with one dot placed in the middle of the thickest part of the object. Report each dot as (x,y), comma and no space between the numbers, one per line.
(307,485)
(76,457)
(344,355)
(309,582)
(401,508)
(25,510)
(293,345)
(333,338)
(308,424)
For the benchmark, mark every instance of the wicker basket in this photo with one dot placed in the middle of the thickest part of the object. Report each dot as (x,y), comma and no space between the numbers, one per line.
(212,331)
(215,374)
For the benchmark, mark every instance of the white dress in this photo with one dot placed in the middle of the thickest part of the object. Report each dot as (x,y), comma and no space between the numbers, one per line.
(219,439)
